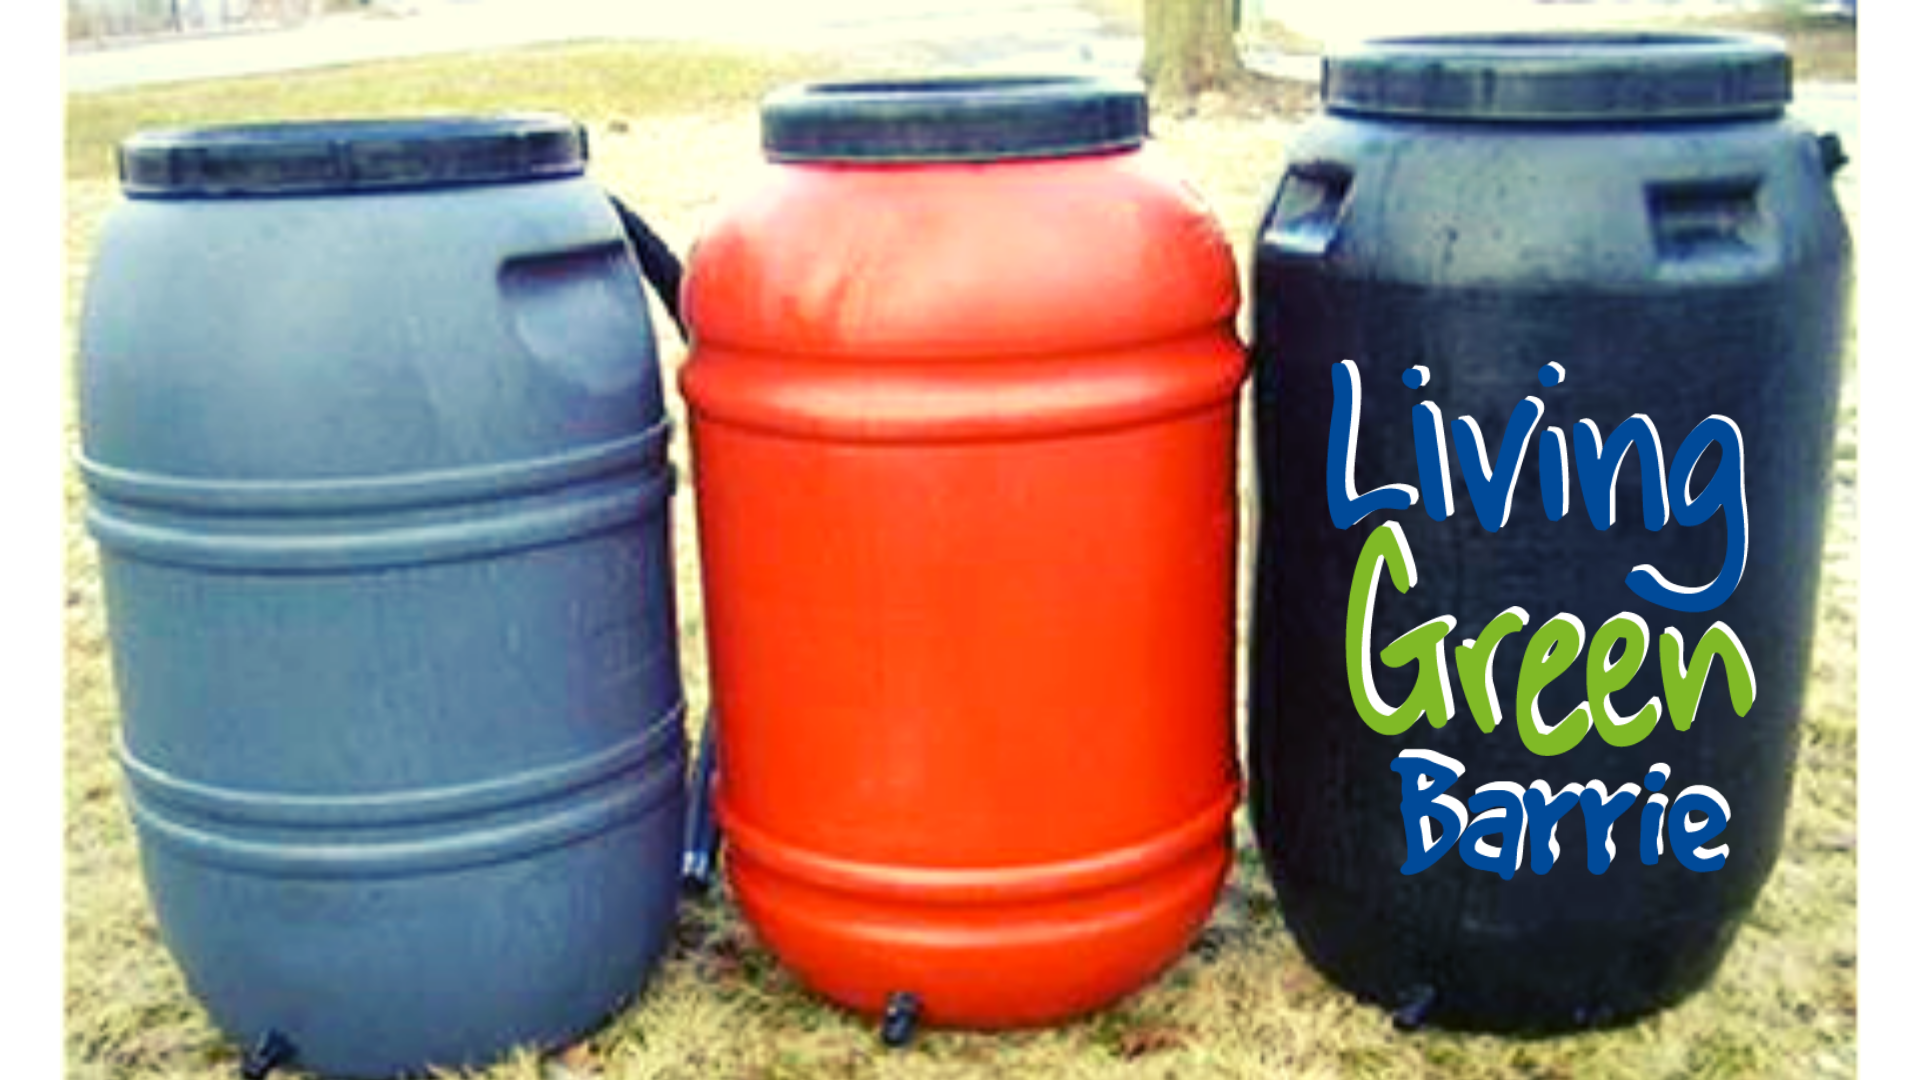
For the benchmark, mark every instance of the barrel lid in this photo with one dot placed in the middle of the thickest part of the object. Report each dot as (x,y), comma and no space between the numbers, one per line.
(1585,76)
(960,118)
(317,157)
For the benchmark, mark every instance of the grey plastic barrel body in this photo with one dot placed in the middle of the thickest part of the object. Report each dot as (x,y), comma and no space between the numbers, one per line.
(1674,268)
(380,485)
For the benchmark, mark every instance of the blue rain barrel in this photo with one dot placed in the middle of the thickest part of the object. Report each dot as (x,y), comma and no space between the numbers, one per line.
(373,436)
(1584,295)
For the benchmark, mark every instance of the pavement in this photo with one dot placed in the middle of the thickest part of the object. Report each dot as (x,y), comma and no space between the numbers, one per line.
(958,33)
(979,33)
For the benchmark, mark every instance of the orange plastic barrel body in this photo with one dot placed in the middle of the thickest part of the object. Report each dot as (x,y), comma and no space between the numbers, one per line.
(964,444)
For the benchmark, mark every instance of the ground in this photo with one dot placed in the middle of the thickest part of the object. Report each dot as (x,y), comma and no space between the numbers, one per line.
(1242,1003)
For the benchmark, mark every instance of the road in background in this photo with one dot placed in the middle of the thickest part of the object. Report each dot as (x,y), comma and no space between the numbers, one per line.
(1050,35)
(949,33)
(992,29)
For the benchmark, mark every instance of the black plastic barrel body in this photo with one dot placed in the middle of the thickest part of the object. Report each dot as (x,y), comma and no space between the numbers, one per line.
(1638,210)
(373,434)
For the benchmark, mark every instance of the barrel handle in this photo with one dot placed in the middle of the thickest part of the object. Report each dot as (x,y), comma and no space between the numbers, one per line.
(1832,156)
(1309,209)
(658,264)
(1711,220)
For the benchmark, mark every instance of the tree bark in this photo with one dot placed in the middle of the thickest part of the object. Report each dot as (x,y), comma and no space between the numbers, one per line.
(1190,47)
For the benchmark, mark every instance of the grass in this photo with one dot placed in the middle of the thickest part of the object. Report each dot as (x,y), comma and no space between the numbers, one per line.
(1243,1003)
(602,83)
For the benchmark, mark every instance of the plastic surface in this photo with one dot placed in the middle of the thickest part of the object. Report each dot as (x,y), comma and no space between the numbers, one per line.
(380,486)
(977,118)
(1587,76)
(1672,272)
(964,441)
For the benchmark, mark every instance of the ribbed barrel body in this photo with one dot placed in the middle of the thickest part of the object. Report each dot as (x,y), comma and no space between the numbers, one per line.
(964,440)
(380,486)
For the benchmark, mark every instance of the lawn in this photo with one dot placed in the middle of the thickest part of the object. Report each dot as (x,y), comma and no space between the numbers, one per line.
(664,124)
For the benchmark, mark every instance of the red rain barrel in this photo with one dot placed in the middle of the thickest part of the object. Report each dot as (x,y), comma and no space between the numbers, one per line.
(963,391)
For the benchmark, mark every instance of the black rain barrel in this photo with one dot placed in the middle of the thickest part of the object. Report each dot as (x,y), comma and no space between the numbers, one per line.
(1611,261)
(373,434)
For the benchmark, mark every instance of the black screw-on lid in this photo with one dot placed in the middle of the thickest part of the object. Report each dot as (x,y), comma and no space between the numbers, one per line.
(975,118)
(316,157)
(1594,76)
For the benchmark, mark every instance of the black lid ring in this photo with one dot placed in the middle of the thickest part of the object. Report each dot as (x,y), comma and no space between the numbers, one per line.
(319,157)
(966,118)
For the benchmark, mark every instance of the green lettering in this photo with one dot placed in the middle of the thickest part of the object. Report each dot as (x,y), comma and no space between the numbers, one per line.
(1604,676)
(1684,683)
(1475,659)
(1554,648)
(1432,694)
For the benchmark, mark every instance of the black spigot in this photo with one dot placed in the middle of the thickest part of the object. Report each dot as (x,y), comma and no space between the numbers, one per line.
(901,1020)
(270,1050)
(1412,1013)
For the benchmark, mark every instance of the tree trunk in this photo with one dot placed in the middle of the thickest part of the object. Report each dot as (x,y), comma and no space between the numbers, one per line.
(1189,47)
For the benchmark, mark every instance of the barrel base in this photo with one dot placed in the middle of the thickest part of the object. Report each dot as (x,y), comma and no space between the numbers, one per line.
(982,965)
(390,977)
(1479,980)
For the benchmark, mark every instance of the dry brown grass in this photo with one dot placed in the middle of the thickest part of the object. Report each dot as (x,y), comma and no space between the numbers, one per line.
(1824,47)
(1243,1003)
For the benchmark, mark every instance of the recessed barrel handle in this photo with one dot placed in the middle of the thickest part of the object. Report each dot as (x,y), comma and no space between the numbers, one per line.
(658,264)
(1712,219)
(1307,213)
